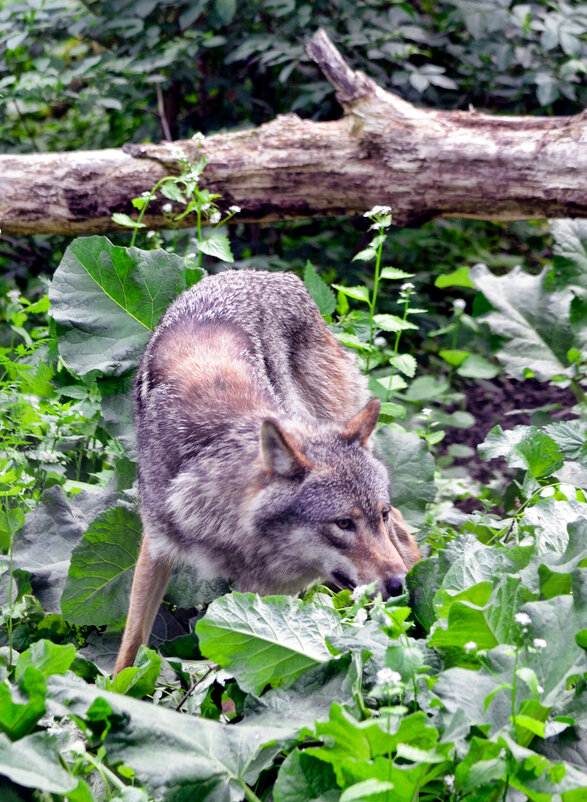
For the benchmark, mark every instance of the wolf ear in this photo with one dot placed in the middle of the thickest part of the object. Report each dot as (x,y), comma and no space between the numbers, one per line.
(281,453)
(360,427)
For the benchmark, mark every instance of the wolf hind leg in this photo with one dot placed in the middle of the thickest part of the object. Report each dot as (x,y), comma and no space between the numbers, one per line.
(148,587)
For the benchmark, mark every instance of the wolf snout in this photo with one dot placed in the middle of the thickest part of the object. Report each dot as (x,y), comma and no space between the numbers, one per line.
(392,585)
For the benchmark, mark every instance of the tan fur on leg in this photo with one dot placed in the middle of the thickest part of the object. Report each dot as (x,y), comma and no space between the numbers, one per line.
(148,587)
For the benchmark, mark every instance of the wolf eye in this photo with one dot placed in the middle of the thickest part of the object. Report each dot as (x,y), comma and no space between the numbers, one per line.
(385,514)
(345,523)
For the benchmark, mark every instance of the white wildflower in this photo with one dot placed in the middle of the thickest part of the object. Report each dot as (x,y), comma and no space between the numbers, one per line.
(47,456)
(145,195)
(471,646)
(177,153)
(427,413)
(234,209)
(198,137)
(379,341)
(387,676)
(539,643)
(205,206)
(408,286)
(14,296)
(167,207)
(359,592)
(540,689)
(523,619)
(459,304)
(449,781)
(190,256)
(377,210)
(361,617)
(77,747)
(215,217)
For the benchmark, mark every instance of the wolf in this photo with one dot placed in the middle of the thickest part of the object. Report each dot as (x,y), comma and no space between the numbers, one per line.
(255,462)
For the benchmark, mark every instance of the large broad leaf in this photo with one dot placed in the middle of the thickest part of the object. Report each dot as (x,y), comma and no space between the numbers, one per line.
(535,322)
(179,758)
(106,300)
(523,447)
(570,252)
(100,574)
(266,641)
(35,763)
(44,545)
(411,468)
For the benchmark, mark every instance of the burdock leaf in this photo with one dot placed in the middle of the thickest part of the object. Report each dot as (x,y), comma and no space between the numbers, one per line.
(534,321)
(266,641)
(107,299)
(100,575)
(178,758)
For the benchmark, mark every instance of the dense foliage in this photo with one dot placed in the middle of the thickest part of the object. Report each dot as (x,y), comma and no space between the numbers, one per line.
(476,689)
(474,685)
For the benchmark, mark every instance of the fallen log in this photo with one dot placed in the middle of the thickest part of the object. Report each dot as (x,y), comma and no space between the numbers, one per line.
(383,151)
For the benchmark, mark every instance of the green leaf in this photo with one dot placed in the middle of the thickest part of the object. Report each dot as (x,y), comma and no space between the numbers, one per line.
(454,357)
(405,363)
(570,252)
(106,300)
(571,438)
(173,192)
(126,221)
(100,574)
(217,245)
(321,293)
(366,255)
(178,758)
(523,447)
(535,322)
(393,323)
(35,763)
(394,273)
(411,467)
(458,278)
(11,520)
(359,293)
(266,641)
(138,680)
(476,367)
(21,710)
(49,658)
(367,789)
(304,778)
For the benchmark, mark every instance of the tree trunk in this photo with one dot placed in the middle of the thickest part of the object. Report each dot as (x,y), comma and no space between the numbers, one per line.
(422,163)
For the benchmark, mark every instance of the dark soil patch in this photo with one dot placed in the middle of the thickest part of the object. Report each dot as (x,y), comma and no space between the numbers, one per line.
(509,403)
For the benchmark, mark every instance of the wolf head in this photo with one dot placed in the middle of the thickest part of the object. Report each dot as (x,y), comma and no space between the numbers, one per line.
(325,509)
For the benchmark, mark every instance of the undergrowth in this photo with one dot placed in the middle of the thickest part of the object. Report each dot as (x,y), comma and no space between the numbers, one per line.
(469,686)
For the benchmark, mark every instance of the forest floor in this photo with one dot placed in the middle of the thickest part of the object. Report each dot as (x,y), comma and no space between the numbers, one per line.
(509,403)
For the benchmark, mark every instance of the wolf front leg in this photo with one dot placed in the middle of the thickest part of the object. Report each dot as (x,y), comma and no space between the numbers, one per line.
(148,586)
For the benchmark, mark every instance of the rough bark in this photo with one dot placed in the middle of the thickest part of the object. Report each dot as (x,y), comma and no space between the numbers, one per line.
(422,163)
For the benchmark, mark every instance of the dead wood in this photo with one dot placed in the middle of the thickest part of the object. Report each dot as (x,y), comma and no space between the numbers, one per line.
(422,163)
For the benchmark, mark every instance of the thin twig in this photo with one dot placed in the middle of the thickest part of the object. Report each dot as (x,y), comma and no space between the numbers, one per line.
(194,685)
(161,109)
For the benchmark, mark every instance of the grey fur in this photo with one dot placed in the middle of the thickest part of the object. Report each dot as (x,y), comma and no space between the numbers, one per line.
(262,517)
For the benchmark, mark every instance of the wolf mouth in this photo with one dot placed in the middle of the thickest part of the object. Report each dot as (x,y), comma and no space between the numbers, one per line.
(343,581)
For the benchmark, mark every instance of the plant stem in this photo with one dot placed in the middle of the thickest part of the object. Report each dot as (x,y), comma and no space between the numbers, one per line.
(10,585)
(147,202)
(578,392)
(250,795)
(398,334)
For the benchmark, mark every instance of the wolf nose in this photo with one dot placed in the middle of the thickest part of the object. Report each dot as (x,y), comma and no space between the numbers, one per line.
(394,585)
